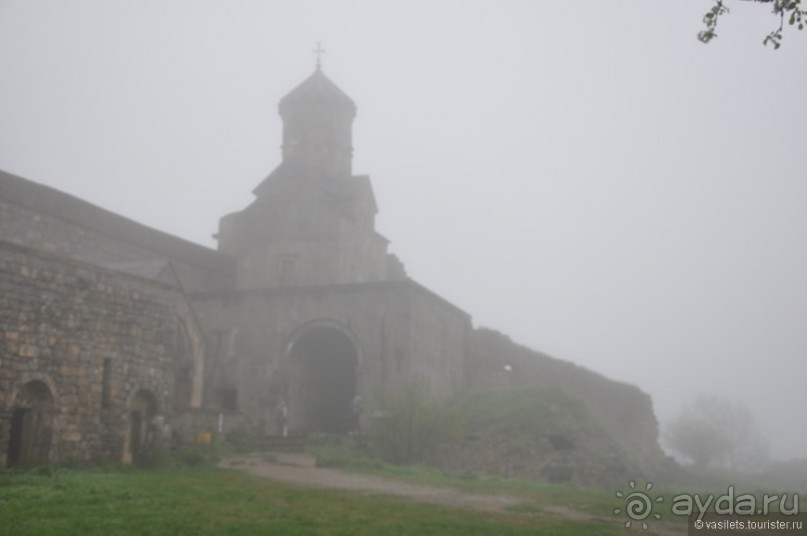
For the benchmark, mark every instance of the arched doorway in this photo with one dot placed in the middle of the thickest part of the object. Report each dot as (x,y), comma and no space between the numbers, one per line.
(31,431)
(142,410)
(323,362)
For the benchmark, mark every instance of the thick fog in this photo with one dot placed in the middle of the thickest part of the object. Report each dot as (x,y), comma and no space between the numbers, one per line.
(584,176)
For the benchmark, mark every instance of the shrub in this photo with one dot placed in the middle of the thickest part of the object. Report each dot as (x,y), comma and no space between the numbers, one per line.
(412,426)
(196,456)
(342,451)
(241,440)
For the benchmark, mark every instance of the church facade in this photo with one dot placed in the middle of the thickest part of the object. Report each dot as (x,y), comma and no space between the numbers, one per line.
(106,324)
(321,312)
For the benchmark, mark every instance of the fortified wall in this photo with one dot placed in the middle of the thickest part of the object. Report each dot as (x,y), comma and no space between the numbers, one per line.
(622,410)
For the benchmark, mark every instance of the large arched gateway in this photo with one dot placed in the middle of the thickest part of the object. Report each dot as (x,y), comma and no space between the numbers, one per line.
(323,362)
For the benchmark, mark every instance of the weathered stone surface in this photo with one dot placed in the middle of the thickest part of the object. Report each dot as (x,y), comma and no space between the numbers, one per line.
(403,333)
(69,359)
(620,409)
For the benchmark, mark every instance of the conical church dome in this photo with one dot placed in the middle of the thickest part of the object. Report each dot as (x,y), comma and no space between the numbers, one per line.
(317,89)
(317,129)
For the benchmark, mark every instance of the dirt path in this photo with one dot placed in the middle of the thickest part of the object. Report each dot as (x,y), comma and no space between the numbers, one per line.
(301,469)
(298,468)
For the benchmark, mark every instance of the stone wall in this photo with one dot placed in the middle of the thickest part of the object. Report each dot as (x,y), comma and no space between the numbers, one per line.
(623,410)
(92,344)
(187,425)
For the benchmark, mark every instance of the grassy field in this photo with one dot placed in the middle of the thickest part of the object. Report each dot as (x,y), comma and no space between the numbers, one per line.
(340,454)
(215,501)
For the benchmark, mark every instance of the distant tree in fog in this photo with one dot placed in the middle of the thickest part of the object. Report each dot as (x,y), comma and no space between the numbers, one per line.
(785,11)
(715,432)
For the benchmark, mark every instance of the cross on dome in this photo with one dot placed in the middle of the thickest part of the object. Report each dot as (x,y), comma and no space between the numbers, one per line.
(319,51)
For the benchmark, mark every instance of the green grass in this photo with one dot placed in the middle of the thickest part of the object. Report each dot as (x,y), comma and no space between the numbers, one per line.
(537,497)
(216,501)
(342,452)
(507,411)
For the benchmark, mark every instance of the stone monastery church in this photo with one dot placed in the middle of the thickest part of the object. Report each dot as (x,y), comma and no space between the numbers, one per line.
(106,324)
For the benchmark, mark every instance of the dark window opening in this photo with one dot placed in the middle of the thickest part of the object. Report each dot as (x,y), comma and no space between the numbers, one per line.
(228,399)
(106,383)
(15,441)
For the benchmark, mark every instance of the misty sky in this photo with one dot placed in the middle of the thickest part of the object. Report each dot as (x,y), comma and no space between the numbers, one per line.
(584,176)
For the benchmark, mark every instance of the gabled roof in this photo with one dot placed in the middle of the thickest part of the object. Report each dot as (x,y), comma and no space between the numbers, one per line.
(46,200)
(342,194)
(157,269)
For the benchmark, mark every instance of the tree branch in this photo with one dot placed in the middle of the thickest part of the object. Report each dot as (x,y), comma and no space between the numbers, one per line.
(791,9)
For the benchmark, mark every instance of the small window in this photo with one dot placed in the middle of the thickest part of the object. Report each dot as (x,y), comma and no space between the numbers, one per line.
(228,399)
(106,383)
